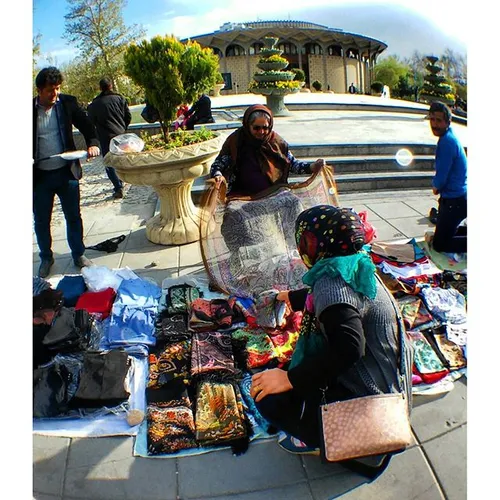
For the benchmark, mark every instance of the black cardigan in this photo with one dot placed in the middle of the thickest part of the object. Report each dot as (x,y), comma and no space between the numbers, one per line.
(343,329)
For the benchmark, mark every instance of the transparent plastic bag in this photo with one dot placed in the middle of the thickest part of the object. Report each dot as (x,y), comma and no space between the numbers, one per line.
(126,143)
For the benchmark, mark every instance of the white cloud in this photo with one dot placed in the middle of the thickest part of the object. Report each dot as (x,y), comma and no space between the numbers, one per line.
(447,15)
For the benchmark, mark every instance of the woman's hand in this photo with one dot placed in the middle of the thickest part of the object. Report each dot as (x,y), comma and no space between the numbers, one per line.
(317,165)
(274,381)
(283,297)
(93,151)
(218,181)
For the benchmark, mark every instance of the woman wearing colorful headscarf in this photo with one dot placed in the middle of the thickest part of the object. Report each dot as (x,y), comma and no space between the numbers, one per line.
(254,157)
(349,339)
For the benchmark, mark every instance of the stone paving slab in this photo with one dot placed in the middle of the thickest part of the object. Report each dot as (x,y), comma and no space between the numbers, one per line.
(49,463)
(450,454)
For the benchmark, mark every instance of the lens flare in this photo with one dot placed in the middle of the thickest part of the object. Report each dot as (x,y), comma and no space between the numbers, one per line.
(404,157)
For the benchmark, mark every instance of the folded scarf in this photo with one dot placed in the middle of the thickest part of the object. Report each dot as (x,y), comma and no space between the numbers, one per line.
(211,352)
(97,302)
(219,413)
(258,345)
(169,363)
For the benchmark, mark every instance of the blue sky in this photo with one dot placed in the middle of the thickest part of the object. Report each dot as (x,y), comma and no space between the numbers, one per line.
(186,18)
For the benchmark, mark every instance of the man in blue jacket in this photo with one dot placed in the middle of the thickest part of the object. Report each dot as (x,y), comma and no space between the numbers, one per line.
(450,182)
(54,115)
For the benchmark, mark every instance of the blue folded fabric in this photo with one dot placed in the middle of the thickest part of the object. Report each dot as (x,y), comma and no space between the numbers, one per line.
(71,287)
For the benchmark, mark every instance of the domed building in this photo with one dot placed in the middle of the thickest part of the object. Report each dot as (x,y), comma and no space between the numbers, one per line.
(333,57)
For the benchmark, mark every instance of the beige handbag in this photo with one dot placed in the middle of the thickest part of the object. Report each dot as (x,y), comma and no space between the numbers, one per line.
(369,425)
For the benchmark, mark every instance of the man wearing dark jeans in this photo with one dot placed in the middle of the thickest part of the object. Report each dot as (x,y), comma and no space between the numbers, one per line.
(110,114)
(54,115)
(450,182)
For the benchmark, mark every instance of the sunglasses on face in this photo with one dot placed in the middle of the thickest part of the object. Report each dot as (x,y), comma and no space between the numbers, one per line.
(258,128)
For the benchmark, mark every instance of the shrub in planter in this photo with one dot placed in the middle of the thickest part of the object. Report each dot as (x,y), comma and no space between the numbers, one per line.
(171,73)
(377,87)
(317,85)
(300,76)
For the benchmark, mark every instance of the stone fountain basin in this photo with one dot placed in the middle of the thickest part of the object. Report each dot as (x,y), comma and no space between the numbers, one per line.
(156,167)
(171,173)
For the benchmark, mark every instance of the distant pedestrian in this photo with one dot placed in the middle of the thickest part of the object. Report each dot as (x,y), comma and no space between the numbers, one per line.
(54,115)
(110,114)
(352,88)
(450,182)
(200,112)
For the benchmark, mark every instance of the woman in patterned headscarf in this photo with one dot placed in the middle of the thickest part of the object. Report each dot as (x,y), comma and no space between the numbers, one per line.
(254,157)
(349,335)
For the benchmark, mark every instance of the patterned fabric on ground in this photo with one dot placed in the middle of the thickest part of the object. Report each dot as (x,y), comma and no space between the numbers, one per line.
(169,363)
(404,253)
(426,361)
(251,411)
(210,315)
(211,352)
(259,347)
(284,345)
(457,333)
(172,328)
(409,307)
(455,280)
(450,354)
(180,297)
(39,285)
(219,413)
(170,421)
(448,305)
(97,302)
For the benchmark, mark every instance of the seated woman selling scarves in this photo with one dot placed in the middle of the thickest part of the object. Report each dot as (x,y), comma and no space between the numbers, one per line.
(349,340)
(254,157)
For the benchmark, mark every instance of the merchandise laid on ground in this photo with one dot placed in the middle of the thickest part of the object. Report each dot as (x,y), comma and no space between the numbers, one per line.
(171,363)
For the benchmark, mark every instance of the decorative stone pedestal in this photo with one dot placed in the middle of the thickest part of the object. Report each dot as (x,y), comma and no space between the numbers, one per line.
(276,103)
(171,173)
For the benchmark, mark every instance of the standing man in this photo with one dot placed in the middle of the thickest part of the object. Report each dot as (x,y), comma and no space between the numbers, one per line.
(54,115)
(450,182)
(352,88)
(111,116)
(201,112)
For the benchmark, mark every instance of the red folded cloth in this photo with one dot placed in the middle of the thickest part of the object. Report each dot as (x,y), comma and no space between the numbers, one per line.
(97,302)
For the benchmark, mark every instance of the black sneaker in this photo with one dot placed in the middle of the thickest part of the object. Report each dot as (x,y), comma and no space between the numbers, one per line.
(44,269)
(118,194)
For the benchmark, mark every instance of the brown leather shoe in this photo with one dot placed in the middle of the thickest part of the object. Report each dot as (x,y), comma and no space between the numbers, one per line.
(83,262)
(117,195)
(44,269)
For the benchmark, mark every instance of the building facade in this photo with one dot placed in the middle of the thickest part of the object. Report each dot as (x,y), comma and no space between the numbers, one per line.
(331,56)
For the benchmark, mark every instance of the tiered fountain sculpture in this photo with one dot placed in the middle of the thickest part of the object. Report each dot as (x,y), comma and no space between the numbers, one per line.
(273,81)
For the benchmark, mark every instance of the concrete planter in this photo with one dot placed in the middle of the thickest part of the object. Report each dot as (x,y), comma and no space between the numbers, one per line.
(171,173)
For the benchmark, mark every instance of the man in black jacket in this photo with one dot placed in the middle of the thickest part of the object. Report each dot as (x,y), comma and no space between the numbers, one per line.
(54,115)
(111,116)
(201,112)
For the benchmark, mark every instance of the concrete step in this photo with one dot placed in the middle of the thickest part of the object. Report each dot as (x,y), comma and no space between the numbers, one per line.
(375,163)
(359,149)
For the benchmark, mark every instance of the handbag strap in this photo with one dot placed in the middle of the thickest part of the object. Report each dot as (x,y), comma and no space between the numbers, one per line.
(401,334)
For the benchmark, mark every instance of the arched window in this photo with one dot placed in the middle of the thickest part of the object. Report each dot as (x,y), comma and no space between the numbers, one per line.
(235,50)
(335,50)
(352,53)
(255,48)
(217,52)
(288,48)
(313,48)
